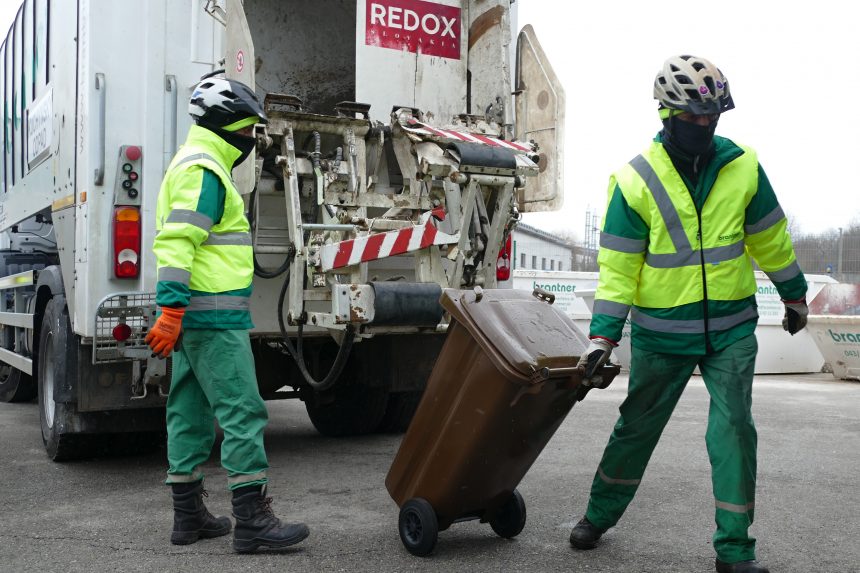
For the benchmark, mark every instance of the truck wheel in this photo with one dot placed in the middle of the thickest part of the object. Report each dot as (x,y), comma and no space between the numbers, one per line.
(511,517)
(348,409)
(57,356)
(15,386)
(399,412)
(418,526)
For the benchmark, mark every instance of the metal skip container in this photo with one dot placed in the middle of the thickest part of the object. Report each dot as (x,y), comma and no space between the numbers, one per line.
(503,383)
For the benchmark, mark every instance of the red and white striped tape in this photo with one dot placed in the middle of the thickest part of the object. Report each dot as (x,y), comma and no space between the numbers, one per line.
(381,245)
(415,126)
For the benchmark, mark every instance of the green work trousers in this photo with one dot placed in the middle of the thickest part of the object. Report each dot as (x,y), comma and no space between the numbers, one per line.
(214,378)
(656,383)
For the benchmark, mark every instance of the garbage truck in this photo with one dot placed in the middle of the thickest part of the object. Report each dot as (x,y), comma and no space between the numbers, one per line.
(405,138)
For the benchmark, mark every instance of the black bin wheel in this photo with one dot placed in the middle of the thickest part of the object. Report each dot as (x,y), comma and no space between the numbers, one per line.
(511,518)
(418,526)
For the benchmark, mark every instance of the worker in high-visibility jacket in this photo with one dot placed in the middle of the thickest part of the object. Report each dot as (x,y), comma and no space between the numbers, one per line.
(684,222)
(205,267)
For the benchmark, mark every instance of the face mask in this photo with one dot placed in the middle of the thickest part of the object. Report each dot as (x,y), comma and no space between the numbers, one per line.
(243,143)
(690,137)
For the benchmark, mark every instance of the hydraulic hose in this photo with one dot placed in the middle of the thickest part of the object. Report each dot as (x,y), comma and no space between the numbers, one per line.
(297,352)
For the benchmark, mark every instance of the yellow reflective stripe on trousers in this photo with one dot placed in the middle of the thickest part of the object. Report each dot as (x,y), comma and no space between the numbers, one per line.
(616,481)
(245,478)
(734,507)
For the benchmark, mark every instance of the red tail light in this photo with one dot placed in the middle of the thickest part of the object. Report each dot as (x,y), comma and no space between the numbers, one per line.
(503,263)
(126,242)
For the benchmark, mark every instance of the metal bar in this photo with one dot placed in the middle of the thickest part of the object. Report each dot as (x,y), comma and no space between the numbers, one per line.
(100,150)
(271,250)
(327,227)
(15,360)
(172,102)
(16,319)
(27,278)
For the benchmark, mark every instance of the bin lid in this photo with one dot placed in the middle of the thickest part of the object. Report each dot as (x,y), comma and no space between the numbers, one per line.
(516,328)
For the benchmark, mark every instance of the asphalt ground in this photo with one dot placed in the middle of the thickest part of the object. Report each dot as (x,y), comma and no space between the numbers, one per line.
(114,514)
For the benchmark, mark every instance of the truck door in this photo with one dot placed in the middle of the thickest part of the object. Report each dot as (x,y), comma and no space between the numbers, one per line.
(540,118)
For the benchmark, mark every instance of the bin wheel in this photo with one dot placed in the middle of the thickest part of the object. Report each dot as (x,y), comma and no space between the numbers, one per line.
(511,517)
(418,526)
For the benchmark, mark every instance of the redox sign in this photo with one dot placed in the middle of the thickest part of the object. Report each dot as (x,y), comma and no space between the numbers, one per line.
(414,26)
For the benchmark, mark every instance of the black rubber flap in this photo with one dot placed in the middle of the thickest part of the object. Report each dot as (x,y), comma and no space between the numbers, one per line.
(477,155)
(516,328)
(406,304)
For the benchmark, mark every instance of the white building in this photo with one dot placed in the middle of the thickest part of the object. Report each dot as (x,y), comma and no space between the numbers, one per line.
(534,249)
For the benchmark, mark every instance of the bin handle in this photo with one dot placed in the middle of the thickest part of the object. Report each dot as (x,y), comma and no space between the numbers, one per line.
(543,295)
(607,371)
(546,373)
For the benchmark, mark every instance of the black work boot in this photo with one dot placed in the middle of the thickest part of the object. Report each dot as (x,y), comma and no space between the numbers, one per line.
(751,566)
(191,519)
(585,534)
(256,524)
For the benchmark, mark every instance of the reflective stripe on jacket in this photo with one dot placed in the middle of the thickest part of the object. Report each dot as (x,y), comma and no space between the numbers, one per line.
(679,260)
(203,242)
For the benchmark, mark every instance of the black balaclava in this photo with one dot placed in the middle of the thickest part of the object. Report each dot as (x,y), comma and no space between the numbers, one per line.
(689,146)
(688,137)
(244,143)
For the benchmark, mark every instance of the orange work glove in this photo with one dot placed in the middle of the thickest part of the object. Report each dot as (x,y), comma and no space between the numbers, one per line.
(165,332)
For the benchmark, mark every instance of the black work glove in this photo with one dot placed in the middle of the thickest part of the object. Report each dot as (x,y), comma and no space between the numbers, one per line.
(796,312)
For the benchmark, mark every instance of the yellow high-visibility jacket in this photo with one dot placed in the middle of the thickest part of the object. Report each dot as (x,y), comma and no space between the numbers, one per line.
(678,258)
(203,242)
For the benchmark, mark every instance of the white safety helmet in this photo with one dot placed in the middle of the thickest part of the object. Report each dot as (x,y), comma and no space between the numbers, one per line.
(220,102)
(692,84)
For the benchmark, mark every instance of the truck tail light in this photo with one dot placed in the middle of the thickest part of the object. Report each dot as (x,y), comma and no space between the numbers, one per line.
(503,263)
(126,242)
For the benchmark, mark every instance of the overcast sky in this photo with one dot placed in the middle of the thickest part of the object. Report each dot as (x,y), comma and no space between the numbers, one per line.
(791,66)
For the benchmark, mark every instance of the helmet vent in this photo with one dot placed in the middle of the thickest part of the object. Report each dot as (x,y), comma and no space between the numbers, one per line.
(693,95)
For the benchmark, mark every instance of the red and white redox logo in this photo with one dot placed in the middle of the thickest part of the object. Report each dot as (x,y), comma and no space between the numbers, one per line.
(415,26)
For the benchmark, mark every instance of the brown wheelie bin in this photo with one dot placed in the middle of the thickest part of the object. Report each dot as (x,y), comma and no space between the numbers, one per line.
(504,381)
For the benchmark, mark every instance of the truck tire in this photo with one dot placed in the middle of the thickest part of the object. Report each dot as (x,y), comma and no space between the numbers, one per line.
(347,409)
(15,386)
(57,356)
(399,412)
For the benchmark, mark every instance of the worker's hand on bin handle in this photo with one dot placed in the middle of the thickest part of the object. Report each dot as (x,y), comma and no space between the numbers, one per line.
(164,335)
(596,355)
(796,312)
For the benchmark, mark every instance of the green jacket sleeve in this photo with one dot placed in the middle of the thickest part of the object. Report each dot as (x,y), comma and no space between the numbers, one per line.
(623,243)
(768,242)
(195,202)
